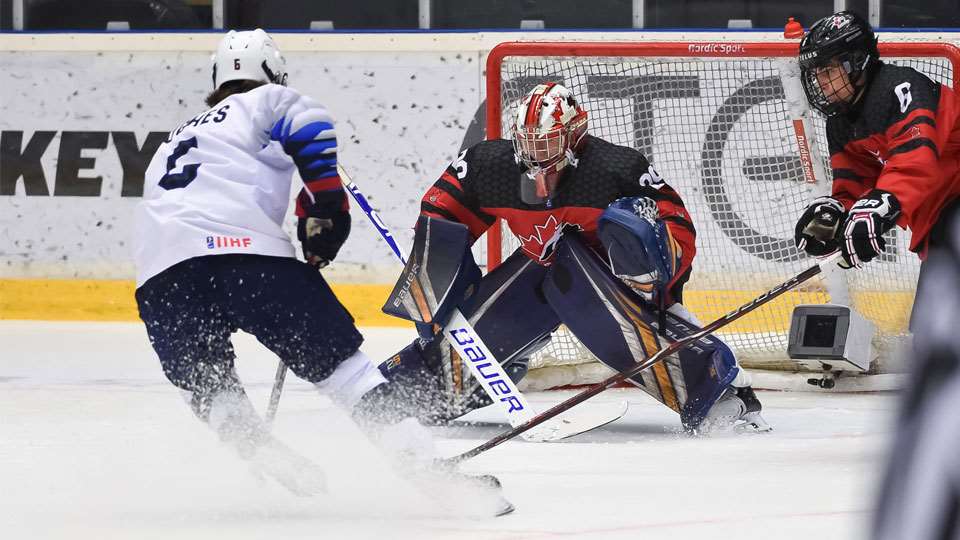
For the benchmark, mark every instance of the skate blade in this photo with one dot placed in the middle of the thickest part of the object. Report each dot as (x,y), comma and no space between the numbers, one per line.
(743,426)
(753,423)
(459,494)
(508,508)
(578,422)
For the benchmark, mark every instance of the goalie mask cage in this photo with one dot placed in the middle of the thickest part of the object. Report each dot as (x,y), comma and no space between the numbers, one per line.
(728,126)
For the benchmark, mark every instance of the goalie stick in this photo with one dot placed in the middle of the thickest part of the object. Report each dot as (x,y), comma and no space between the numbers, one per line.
(613,380)
(484,365)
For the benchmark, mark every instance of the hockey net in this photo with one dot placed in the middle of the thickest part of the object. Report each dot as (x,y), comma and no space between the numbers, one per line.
(727,125)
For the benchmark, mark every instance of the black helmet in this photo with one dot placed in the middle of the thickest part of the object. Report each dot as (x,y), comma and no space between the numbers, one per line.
(844,39)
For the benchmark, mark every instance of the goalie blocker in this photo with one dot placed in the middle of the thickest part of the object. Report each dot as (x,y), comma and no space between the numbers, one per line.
(516,307)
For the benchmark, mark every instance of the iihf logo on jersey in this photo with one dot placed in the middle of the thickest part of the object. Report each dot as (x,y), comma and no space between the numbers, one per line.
(214,242)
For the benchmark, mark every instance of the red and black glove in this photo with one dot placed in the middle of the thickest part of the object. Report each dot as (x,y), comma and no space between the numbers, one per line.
(861,234)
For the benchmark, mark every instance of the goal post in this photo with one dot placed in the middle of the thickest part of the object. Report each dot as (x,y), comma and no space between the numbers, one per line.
(725,124)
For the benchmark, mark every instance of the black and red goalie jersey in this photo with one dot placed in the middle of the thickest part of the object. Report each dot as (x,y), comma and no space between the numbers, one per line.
(483,184)
(903,138)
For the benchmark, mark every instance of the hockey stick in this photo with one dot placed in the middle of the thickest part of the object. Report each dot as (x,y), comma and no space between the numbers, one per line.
(275,394)
(484,366)
(387,237)
(613,380)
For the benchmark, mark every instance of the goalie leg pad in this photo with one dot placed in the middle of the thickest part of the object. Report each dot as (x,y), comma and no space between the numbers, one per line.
(438,277)
(423,383)
(513,320)
(621,329)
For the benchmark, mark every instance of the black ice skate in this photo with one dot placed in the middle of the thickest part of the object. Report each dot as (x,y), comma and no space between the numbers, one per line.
(752,421)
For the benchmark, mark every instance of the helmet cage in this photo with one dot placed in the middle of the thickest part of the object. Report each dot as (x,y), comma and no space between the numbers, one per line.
(848,80)
(538,148)
(548,128)
(845,40)
(545,153)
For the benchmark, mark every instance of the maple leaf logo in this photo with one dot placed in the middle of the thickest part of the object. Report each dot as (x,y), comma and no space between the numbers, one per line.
(557,112)
(840,21)
(542,242)
(551,224)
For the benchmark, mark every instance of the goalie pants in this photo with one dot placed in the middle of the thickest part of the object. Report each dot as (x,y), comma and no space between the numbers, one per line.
(191,309)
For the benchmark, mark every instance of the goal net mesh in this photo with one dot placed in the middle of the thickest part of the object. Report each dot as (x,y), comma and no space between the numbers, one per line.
(721,131)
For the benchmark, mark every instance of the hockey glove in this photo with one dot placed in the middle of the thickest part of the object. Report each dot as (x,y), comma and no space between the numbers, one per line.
(321,233)
(861,234)
(640,249)
(816,232)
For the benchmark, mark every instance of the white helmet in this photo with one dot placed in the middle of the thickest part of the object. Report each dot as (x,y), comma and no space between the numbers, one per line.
(250,55)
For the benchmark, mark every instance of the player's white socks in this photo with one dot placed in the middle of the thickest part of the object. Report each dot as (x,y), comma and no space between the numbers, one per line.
(406,442)
(353,378)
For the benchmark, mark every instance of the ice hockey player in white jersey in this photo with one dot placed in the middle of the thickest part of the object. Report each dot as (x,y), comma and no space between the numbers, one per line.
(212,258)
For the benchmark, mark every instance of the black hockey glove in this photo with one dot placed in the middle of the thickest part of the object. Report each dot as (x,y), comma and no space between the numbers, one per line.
(861,235)
(322,232)
(817,229)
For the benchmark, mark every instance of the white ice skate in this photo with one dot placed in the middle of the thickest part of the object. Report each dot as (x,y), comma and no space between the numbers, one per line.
(738,410)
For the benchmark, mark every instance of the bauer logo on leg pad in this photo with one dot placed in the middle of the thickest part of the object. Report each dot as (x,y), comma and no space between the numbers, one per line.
(405,283)
(438,276)
(474,353)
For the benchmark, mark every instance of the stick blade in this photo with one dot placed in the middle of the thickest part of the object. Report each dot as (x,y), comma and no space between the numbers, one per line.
(577,422)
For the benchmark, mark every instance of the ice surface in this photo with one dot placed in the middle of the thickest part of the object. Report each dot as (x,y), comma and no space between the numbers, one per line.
(94,443)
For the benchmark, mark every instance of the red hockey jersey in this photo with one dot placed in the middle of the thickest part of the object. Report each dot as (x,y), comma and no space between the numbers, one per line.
(483,184)
(903,138)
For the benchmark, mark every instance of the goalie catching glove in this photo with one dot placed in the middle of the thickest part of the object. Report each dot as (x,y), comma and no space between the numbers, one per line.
(322,231)
(640,249)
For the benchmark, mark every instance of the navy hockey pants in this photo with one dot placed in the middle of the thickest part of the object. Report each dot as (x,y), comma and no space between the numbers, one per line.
(191,309)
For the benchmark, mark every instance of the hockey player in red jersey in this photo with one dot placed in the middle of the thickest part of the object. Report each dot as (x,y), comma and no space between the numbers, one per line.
(606,248)
(894,148)
(894,144)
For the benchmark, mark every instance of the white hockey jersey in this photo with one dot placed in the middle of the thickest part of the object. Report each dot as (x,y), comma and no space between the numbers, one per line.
(221,181)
